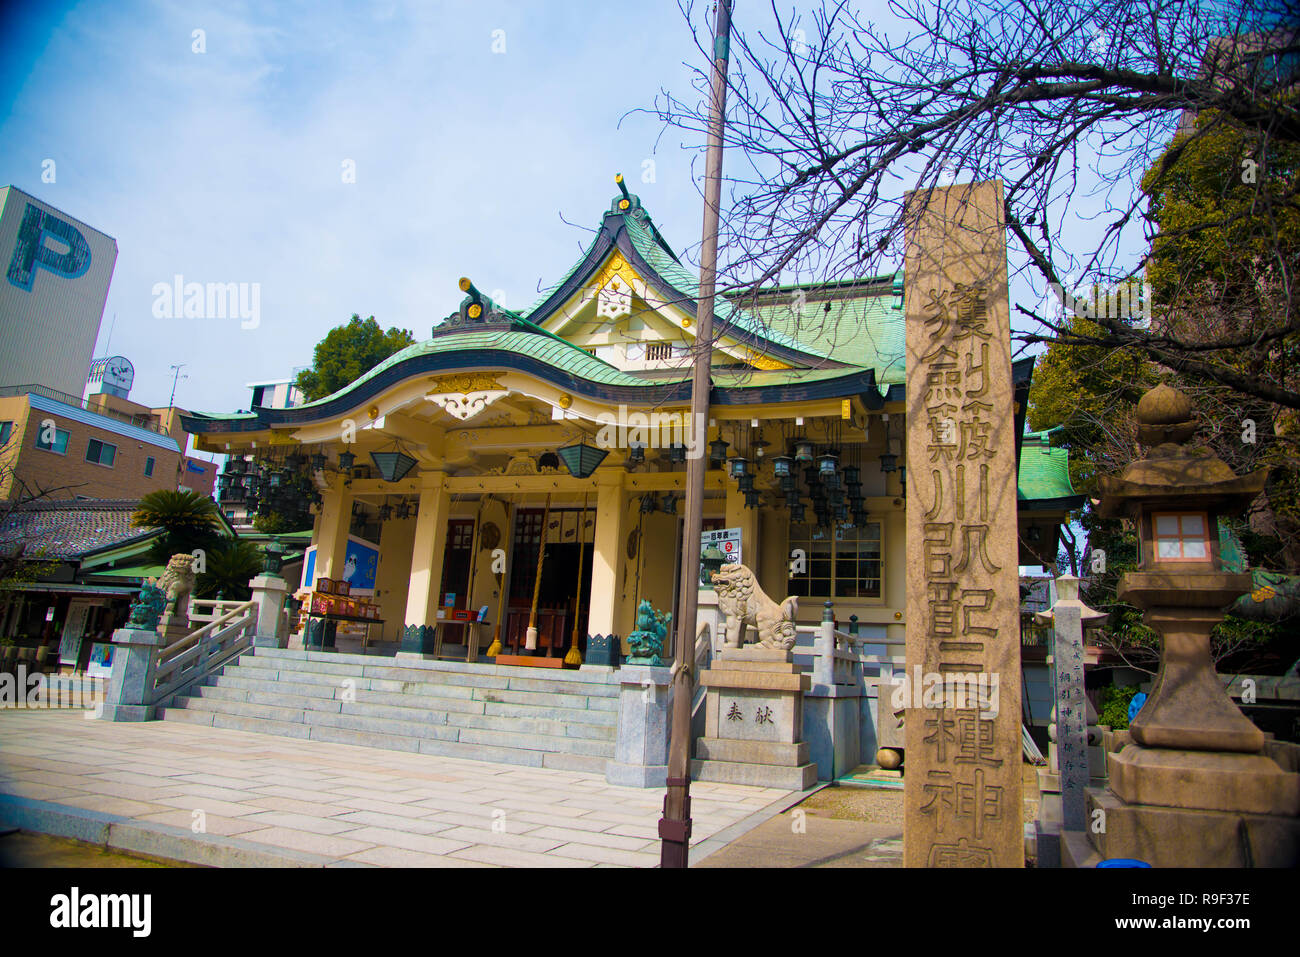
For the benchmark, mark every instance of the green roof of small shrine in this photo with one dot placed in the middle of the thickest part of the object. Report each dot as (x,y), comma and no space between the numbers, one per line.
(1044,473)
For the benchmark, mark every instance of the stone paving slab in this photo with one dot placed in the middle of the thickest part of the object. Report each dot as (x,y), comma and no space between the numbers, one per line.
(269,801)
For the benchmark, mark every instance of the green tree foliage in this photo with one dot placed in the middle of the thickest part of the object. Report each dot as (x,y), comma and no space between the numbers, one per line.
(348,352)
(1222,269)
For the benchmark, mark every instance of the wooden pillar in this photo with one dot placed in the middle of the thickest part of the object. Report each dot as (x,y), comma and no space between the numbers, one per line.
(422,598)
(608,552)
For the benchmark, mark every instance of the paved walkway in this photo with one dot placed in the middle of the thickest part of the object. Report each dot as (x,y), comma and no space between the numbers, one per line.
(232,798)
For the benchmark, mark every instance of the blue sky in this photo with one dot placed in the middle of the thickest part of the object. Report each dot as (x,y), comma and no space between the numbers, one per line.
(227,165)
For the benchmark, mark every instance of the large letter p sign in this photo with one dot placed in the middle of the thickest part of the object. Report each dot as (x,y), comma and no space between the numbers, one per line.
(31,253)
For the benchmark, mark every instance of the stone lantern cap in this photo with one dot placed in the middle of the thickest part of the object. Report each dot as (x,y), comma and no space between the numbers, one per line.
(1067,595)
(1173,474)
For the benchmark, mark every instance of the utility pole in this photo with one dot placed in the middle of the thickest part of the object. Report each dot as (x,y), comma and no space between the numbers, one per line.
(171,403)
(675,825)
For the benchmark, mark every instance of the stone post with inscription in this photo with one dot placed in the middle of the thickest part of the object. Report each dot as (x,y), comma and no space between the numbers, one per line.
(962,789)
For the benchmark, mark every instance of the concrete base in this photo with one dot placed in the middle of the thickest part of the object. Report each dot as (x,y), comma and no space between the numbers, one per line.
(1221,781)
(637,775)
(1178,837)
(128,712)
(756,775)
(1077,852)
(752,752)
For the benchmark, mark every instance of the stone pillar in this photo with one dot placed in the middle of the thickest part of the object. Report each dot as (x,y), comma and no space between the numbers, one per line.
(269,592)
(609,551)
(962,790)
(332,538)
(641,748)
(422,598)
(131,683)
(1071,730)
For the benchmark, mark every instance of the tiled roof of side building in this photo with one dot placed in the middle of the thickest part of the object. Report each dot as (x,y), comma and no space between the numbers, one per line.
(1044,473)
(69,529)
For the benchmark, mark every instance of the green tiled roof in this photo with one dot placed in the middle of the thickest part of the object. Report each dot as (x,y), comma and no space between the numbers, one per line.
(538,344)
(1044,471)
(865,332)
(752,330)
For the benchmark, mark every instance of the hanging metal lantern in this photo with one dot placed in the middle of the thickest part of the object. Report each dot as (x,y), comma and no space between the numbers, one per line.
(803,451)
(888,462)
(738,467)
(902,479)
(385,512)
(717,453)
(649,503)
(346,461)
(781,465)
(582,459)
(841,513)
(836,497)
(745,483)
(677,453)
(827,462)
(318,462)
(831,479)
(635,455)
(860,517)
(787,483)
(753,499)
(274,480)
(852,475)
(669,505)
(797,513)
(792,499)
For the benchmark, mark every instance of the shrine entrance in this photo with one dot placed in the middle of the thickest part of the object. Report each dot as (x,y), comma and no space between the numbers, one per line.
(559,603)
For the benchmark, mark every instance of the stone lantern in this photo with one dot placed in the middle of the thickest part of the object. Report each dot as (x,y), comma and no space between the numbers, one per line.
(1198,784)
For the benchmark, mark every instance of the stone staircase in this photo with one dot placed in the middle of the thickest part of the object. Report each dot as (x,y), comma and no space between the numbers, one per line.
(531,716)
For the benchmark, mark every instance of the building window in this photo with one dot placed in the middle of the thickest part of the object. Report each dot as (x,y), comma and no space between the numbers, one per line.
(60,443)
(659,350)
(5,429)
(148,467)
(1182,537)
(101,452)
(839,562)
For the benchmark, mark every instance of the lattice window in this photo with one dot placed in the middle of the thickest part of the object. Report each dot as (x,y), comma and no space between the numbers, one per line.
(659,350)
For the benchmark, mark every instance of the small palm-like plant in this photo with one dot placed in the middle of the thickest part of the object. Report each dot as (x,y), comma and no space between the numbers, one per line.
(182,513)
(189,520)
(230,564)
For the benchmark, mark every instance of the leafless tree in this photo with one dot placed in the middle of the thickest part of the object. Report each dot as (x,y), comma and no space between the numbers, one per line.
(834,115)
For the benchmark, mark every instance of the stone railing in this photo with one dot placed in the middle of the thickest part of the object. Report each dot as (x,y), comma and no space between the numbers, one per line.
(151,666)
(184,662)
(210,609)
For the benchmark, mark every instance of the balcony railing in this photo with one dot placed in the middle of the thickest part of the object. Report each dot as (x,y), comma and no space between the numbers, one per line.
(139,421)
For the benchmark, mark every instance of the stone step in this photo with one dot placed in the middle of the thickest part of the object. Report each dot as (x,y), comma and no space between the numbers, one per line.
(477,714)
(408,722)
(390,742)
(400,680)
(484,675)
(527,719)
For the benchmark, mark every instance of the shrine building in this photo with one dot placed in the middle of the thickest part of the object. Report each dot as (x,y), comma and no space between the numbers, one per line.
(557,433)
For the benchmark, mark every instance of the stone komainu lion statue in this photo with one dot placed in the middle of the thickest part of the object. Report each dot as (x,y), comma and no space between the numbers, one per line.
(744,603)
(177,581)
